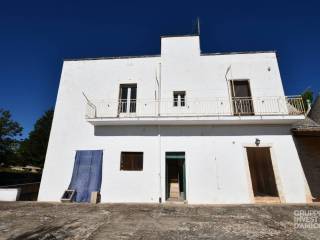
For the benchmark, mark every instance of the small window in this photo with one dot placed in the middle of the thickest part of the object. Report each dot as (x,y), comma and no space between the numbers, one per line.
(179,98)
(131,161)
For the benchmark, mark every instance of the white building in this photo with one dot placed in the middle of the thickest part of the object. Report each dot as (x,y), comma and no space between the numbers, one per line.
(183,125)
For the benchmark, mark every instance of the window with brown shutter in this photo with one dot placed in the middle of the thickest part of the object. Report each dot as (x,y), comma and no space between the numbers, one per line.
(131,161)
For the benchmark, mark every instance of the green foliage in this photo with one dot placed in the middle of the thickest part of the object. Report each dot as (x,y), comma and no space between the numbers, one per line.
(9,131)
(33,150)
(307,97)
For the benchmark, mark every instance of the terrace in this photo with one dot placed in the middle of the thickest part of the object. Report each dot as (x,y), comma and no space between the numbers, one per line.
(181,110)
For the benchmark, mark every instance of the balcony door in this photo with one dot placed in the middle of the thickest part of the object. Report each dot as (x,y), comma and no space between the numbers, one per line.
(241,97)
(127,98)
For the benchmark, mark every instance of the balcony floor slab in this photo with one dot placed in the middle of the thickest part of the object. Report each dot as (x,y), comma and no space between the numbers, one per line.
(197,120)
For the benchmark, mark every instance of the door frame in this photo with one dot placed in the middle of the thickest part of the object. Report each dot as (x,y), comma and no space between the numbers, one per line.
(184,174)
(231,90)
(274,168)
(128,100)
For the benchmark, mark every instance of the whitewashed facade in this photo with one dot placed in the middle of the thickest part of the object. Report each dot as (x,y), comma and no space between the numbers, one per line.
(186,103)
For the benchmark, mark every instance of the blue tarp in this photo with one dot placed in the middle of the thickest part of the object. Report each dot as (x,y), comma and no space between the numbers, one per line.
(87,174)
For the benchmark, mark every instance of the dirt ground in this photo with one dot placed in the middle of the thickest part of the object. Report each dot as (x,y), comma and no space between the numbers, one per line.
(31,220)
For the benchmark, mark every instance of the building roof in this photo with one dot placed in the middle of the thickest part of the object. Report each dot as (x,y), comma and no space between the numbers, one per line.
(111,57)
(306,127)
(311,124)
(314,113)
(306,123)
(180,35)
(150,56)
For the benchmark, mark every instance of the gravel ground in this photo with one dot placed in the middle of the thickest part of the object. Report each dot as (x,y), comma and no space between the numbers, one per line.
(32,220)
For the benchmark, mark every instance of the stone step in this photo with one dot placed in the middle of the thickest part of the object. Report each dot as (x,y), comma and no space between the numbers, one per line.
(174,190)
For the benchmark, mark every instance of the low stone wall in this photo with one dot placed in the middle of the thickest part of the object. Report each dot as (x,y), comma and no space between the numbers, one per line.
(27,192)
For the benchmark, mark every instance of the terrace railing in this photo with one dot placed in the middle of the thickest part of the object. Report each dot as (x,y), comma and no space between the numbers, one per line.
(236,106)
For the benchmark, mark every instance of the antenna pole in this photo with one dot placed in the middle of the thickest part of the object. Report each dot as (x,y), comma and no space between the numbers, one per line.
(198,25)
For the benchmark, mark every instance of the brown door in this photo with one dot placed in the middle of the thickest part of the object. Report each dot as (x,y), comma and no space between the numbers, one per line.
(261,171)
(241,97)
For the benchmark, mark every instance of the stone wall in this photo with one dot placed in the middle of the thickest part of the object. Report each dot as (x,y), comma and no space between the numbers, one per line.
(309,152)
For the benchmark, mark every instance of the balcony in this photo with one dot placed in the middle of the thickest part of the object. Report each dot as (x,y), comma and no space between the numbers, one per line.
(255,110)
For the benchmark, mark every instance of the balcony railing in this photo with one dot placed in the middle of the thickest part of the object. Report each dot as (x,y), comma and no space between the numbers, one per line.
(289,105)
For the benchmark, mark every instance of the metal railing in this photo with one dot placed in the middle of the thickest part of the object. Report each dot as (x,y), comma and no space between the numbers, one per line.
(236,106)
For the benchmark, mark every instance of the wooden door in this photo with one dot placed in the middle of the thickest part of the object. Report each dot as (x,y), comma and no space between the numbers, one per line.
(261,171)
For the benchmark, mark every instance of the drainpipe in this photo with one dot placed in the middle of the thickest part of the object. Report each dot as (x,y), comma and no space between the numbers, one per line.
(159,147)
(159,135)
(159,90)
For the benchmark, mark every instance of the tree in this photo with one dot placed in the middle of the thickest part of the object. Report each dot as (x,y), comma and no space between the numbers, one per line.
(33,149)
(307,97)
(9,131)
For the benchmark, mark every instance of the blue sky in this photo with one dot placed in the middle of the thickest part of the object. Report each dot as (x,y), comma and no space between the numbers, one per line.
(35,37)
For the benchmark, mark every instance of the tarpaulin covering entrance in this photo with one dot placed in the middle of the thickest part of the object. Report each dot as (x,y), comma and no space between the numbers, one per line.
(87,174)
